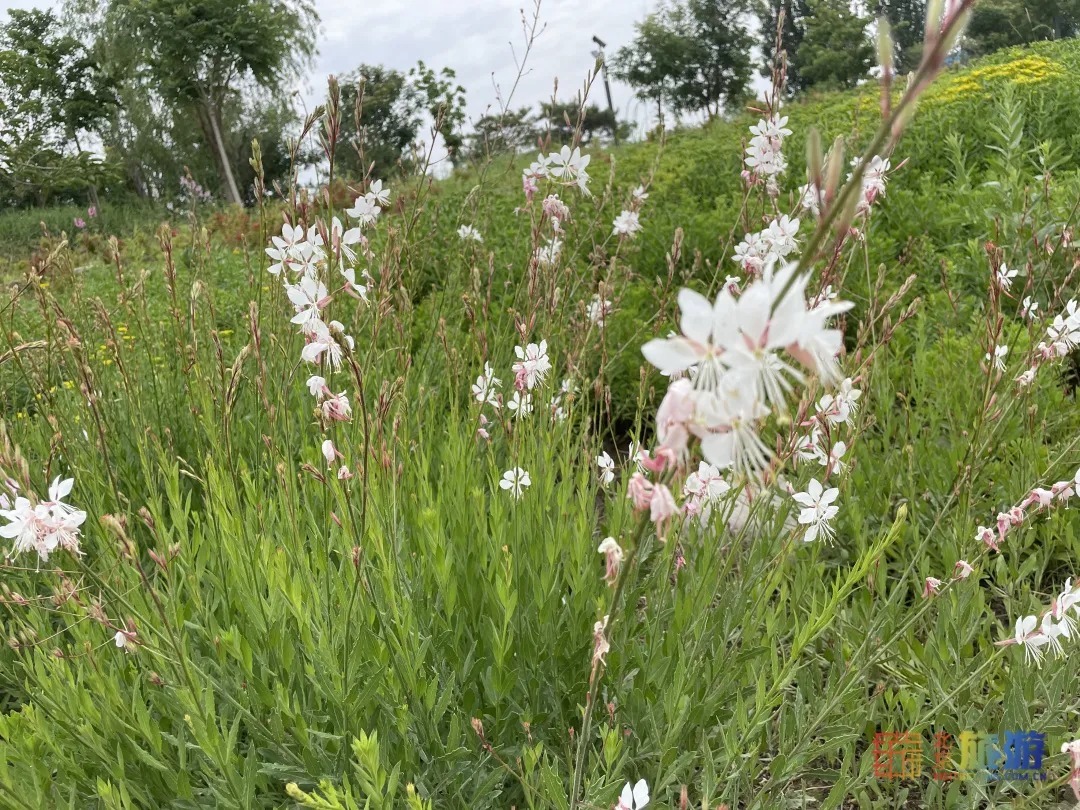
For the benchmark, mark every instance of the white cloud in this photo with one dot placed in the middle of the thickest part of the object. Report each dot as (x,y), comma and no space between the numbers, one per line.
(481,41)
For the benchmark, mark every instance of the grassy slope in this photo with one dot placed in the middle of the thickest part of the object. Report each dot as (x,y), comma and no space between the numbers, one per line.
(938,666)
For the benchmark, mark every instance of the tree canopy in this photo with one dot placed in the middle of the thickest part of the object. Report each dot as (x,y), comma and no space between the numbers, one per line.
(52,93)
(690,56)
(195,54)
(836,50)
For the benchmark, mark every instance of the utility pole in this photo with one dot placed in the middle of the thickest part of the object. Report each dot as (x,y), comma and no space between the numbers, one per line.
(599,54)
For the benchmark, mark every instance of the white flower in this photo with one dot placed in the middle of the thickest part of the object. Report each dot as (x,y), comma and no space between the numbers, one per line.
(49,525)
(515,481)
(344,239)
(357,290)
(609,545)
(726,422)
(750,253)
(837,408)
(780,236)
(607,468)
(468,232)
(1068,598)
(702,490)
(1004,276)
(309,296)
(25,527)
(873,182)
(613,557)
(808,448)
(548,255)
(764,157)
(365,210)
(962,569)
(569,165)
(484,387)
(998,357)
(817,510)
(810,199)
(280,257)
(120,639)
(833,463)
(377,194)
(317,386)
(744,335)
(1030,308)
(520,405)
(626,224)
(706,332)
(598,309)
(633,797)
(290,237)
(1030,639)
(322,344)
(533,364)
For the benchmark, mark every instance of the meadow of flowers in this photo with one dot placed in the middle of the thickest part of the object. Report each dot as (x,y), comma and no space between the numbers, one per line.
(404,503)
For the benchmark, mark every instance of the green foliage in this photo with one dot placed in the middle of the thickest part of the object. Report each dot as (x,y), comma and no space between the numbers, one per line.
(795,14)
(907,22)
(997,24)
(195,54)
(384,110)
(445,105)
(51,90)
(835,50)
(563,122)
(507,132)
(412,636)
(587,123)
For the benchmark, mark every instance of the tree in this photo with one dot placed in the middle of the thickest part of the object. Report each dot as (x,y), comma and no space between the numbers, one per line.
(1001,23)
(794,28)
(907,21)
(389,120)
(196,53)
(444,102)
(836,50)
(510,131)
(689,56)
(52,93)
(590,123)
(392,110)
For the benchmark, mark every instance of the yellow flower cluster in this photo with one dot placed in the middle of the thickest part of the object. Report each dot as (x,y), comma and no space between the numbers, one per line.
(1026,70)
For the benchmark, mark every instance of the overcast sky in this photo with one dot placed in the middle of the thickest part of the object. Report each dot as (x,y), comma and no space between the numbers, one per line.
(477,38)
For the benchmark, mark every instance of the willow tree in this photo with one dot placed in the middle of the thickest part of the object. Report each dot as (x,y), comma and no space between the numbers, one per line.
(196,54)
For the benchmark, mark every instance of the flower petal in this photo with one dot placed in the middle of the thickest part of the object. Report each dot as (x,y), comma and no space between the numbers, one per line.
(671,354)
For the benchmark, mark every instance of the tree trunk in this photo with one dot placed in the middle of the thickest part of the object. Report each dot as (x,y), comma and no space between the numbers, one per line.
(232,193)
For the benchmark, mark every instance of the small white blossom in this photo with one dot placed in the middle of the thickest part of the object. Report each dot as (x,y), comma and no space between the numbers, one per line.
(606,467)
(515,481)
(817,510)
(626,224)
(468,232)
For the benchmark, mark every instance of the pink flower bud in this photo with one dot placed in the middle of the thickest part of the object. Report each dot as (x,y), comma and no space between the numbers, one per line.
(640,491)
(962,569)
(662,504)
(932,586)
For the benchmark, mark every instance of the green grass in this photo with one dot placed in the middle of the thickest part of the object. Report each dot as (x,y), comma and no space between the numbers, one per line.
(344,636)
